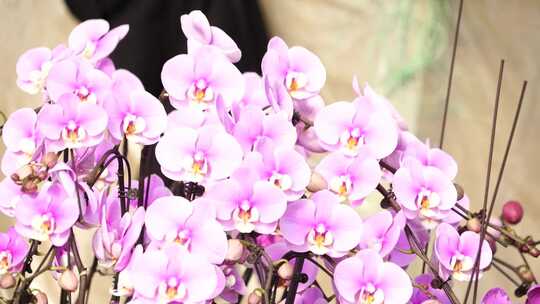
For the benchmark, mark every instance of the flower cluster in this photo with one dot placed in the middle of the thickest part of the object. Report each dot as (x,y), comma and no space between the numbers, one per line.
(246,140)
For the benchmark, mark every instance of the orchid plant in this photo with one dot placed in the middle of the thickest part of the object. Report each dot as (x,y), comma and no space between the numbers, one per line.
(238,213)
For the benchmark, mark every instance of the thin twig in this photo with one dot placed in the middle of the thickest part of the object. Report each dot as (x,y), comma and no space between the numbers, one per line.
(476,268)
(451,75)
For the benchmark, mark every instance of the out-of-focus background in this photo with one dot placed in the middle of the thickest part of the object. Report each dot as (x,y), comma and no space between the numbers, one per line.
(402,48)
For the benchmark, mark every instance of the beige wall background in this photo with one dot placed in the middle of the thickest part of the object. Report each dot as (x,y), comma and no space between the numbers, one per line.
(367,38)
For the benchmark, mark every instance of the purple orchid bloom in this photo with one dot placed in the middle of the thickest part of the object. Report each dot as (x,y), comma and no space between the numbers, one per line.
(254,94)
(423,292)
(312,295)
(125,282)
(198,32)
(367,278)
(80,78)
(246,203)
(381,232)
(424,192)
(204,154)
(254,127)
(196,79)
(351,179)
(321,225)
(496,296)
(133,112)
(72,124)
(355,127)
(454,219)
(298,69)
(21,138)
(118,234)
(279,98)
(173,276)
(457,253)
(173,220)
(431,157)
(34,65)
(405,138)
(93,40)
(106,65)
(283,167)
(234,285)
(309,108)
(368,95)
(49,216)
(13,251)
(399,254)
(11,196)
(533,295)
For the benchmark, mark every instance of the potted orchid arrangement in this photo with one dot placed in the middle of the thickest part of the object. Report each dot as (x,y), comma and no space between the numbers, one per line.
(237,213)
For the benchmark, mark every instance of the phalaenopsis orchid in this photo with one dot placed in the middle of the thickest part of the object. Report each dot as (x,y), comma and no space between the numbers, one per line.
(238,212)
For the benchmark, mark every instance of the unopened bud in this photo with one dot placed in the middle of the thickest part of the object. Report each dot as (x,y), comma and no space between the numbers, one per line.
(492,231)
(474,225)
(526,275)
(40,298)
(512,212)
(50,159)
(7,281)
(535,252)
(68,280)
(285,271)
(255,297)
(316,183)
(234,251)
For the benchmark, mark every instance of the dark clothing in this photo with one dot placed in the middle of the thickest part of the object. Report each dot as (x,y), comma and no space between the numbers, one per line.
(155,36)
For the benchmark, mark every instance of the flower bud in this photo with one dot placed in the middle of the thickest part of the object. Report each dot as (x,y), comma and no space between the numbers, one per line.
(234,251)
(255,297)
(7,281)
(492,231)
(50,159)
(285,271)
(535,252)
(526,275)
(68,280)
(40,297)
(512,212)
(473,224)
(316,183)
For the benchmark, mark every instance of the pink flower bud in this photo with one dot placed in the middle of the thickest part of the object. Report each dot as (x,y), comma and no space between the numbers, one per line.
(235,251)
(317,183)
(512,212)
(7,281)
(40,297)
(495,222)
(255,297)
(285,271)
(68,280)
